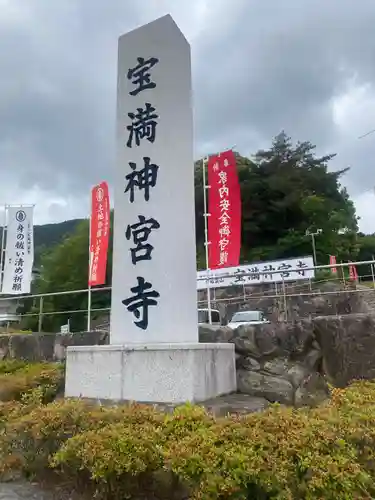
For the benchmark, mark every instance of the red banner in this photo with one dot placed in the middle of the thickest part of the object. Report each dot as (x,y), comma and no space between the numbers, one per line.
(332,261)
(353,275)
(99,234)
(224,207)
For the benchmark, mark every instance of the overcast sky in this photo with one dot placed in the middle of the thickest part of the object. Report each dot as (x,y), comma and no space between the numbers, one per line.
(259,66)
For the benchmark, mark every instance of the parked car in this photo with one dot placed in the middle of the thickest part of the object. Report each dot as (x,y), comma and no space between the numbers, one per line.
(247,318)
(203,317)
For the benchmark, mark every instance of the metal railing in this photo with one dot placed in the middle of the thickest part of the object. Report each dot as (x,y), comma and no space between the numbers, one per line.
(282,290)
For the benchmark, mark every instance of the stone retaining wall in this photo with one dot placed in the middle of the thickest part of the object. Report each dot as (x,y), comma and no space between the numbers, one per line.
(292,363)
(46,346)
(278,362)
(289,363)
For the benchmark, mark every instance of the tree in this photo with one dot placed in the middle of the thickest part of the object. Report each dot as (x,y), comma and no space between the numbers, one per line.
(286,191)
(65,268)
(366,244)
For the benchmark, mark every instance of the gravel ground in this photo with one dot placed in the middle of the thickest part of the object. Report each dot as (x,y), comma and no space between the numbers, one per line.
(27,491)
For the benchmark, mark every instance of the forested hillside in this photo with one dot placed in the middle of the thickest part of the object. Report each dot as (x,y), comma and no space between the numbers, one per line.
(285,191)
(46,236)
(49,235)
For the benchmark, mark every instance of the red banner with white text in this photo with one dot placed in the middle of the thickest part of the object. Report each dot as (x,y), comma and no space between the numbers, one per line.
(332,261)
(224,207)
(99,234)
(353,275)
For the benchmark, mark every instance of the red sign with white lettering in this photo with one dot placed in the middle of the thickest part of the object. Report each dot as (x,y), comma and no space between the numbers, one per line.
(224,207)
(353,275)
(332,261)
(99,234)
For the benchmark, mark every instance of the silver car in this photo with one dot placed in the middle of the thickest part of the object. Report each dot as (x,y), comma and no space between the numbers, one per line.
(247,318)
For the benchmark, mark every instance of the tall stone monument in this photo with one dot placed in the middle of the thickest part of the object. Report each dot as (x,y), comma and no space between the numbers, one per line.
(154,353)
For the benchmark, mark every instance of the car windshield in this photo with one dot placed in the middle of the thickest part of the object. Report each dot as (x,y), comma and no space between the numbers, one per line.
(245,316)
(203,316)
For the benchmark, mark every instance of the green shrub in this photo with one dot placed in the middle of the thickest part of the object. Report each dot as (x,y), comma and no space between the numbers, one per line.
(133,450)
(282,453)
(30,440)
(123,452)
(15,382)
(279,454)
(12,365)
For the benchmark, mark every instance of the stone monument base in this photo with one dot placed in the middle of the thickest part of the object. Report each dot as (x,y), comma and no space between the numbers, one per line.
(151,373)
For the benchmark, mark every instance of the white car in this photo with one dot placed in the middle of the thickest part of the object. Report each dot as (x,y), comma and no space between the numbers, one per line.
(204,317)
(241,318)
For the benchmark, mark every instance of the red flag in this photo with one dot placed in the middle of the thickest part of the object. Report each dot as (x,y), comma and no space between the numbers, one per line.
(353,275)
(332,261)
(99,234)
(224,207)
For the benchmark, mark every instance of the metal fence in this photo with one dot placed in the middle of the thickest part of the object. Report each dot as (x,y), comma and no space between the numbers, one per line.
(281,291)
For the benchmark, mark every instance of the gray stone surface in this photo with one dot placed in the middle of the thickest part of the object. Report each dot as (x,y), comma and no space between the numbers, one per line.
(221,406)
(210,333)
(236,404)
(276,366)
(348,347)
(46,346)
(247,363)
(29,491)
(26,347)
(274,339)
(297,373)
(272,388)
(270,358)
(312,391)
(274,360)
(313,358)
(259,341)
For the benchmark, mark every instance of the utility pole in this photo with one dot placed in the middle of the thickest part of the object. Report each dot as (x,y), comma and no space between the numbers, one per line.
(313,234)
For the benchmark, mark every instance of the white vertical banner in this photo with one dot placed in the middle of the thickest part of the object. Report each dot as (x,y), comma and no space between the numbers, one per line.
(154,255)
(19,251)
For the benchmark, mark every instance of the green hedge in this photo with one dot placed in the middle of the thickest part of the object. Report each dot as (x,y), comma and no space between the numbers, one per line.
(134,451)
(17,378)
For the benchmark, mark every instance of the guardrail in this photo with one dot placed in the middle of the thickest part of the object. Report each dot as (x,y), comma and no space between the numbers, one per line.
(281,289)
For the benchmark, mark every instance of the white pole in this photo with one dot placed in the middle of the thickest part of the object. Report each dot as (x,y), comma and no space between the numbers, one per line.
(206,242)
(285,302)
(2,255)
(89,286)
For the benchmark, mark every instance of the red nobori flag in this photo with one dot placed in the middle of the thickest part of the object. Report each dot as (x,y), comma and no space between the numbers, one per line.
(332,261)
(224,207)
(99,234)
(353,275)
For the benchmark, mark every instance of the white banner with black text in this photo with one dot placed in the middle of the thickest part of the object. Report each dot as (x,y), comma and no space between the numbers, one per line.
(299,268)
(19,251)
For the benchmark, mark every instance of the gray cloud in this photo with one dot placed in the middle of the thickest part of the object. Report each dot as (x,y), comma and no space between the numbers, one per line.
(259,67)
(281,64)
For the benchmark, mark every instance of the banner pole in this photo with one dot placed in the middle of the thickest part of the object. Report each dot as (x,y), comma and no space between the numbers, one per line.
(89,309)
(89,286)
(206,242)
(3,249)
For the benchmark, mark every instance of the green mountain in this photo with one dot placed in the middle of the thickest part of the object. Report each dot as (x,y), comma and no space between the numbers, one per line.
(47,236)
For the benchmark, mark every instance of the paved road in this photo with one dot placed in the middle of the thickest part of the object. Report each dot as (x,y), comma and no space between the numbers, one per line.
(22,491)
